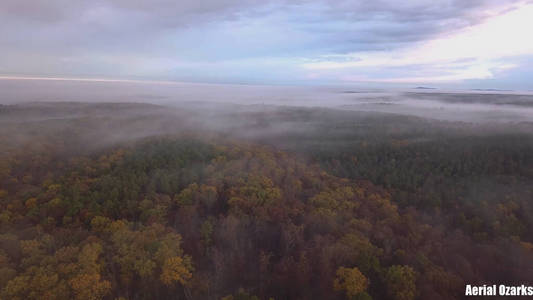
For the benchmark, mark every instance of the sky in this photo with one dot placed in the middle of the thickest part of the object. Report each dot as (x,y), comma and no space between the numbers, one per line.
(437,43)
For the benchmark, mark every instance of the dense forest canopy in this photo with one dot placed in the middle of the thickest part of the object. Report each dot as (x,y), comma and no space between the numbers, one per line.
(138,201)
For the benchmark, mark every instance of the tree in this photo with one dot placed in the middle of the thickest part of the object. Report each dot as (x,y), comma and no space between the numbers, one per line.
(176,269)
(89,286)
(350,280)
(401,282)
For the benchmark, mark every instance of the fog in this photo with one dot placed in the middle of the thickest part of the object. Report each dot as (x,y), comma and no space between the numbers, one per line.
(466,106)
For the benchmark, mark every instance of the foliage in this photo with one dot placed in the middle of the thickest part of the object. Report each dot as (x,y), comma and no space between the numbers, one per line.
(350,280)
(412,209)
(401,283)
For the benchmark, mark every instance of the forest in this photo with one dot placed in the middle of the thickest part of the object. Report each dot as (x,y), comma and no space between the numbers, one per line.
(253,202)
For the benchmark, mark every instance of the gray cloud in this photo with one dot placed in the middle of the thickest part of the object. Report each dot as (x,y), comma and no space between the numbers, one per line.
(122,37)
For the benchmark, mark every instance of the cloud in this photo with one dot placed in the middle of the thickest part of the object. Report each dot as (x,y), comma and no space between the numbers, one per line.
(236,40)
(476,52)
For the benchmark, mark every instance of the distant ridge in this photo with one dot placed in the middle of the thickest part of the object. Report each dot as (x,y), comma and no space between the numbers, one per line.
(424,88)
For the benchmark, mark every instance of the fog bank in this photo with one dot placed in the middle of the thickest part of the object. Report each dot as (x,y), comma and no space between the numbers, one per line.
(468,106)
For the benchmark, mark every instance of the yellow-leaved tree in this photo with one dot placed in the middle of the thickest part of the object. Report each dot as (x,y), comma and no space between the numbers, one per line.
(176,269)
(351,281)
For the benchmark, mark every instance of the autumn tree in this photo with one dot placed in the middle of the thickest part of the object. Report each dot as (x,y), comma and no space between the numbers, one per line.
(351,281)
(176,269)
(401,282)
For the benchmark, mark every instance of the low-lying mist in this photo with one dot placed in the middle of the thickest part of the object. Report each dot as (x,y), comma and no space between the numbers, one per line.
(465,106)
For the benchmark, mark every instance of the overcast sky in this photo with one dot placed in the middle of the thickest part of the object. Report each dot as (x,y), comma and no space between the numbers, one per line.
(454,43)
